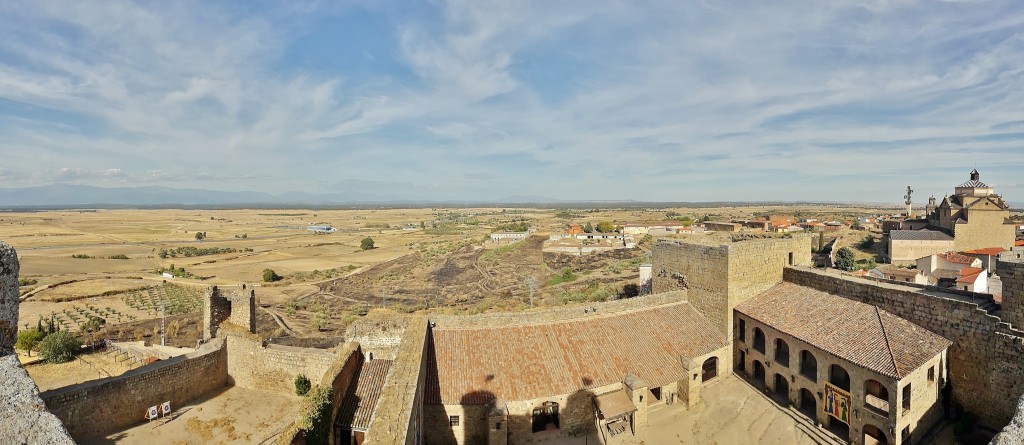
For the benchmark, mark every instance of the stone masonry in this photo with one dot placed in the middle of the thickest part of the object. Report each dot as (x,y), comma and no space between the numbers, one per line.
(1011,270)
(216,309)
(23,416)
(986,361)
(718,275)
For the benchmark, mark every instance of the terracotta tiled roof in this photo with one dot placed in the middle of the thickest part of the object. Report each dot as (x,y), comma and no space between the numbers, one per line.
(969,274)
(473,366)
(855,331)
(957,258)
(1019,243)
(986,251)
(360,400)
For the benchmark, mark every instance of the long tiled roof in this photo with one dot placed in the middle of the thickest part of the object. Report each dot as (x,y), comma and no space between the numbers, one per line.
(855,331)
(474,366)
(919,235)
(360,400)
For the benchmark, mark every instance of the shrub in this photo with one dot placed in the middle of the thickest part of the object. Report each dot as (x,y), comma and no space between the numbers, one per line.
(302,385)
(844,259)
(28,340)
(366,243)
(26,281)
(564,276)
(270,276)
(316,416)
(119,256)
(59,347)
(94,324)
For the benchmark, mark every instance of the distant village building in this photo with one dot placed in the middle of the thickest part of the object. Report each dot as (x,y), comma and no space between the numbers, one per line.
(641,228)
(509,236)
(321,229)
(972,218)
(715,226)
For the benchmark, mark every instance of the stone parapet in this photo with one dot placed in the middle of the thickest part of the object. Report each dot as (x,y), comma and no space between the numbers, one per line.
(399,416)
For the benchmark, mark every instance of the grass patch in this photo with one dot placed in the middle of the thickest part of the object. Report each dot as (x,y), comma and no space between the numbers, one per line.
(565,276)
(502,250)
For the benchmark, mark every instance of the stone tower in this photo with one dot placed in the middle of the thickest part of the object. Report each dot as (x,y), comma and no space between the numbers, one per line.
(719,274)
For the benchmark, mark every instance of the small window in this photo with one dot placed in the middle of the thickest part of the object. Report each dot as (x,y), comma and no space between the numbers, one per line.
(453,420)
(497,426)
(931,375)
(743,330)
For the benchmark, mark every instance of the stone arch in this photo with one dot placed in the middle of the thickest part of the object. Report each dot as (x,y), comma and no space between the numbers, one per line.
(759,374)
(808,365)
(873,435)
(838,377)
(808,403)
(876,396)
(759,340)
(781,352)
(709,369)
(546,416)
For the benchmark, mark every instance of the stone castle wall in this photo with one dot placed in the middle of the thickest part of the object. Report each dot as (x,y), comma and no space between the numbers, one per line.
(105,406)
(986,361)
(253,365)
(1011,271)
(400,415)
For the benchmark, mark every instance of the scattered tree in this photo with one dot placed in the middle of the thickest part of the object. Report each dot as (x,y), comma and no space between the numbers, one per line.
(605,227)
(200,236)
(588,228)
(867,242)
(28,340)
(59,347)
(844,259)
(269,276)
(366,244)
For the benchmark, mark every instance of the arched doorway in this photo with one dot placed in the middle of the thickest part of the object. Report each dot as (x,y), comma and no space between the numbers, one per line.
(758,374)
(709,369)
(545,417)
(781,393)
(808,404)
(874,436)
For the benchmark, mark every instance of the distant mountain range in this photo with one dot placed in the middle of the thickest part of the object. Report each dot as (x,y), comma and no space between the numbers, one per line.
(58,196)
(67,195)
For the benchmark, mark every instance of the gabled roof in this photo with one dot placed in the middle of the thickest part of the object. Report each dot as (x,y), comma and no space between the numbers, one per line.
(857,332)
(360,401)
(969,274)
(472,366)
(919,235)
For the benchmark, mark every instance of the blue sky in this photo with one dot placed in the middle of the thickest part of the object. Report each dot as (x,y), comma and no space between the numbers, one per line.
(467,100)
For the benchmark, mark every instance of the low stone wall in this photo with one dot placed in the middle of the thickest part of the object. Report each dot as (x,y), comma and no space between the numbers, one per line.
(550,315)
(399,416)
(113,404)
(272,368)
(986,361)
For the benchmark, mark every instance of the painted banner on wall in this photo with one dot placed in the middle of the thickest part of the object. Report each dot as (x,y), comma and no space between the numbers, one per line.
(837,403)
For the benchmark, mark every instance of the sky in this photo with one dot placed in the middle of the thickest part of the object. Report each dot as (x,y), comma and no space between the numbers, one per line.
(477,99)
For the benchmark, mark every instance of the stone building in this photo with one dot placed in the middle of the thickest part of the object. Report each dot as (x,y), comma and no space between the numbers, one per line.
(512,379)
(973,217)
(866,374)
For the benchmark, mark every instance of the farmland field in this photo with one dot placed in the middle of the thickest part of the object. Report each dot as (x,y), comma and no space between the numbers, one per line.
(107,263)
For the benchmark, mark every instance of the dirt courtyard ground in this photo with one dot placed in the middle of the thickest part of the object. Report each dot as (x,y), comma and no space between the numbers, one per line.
(235,416)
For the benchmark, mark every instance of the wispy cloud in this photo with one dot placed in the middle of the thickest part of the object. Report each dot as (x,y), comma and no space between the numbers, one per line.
(479,99)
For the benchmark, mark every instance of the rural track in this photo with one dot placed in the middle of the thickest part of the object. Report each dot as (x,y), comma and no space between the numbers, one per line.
(280,321)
